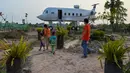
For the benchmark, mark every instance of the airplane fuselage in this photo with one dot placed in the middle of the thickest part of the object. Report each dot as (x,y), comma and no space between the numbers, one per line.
(64,14)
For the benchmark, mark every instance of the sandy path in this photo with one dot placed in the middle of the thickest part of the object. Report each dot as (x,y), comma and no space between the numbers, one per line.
(63,62)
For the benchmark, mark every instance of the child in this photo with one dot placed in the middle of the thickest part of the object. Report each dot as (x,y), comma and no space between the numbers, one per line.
(42,44)
(53,42)
(47,34)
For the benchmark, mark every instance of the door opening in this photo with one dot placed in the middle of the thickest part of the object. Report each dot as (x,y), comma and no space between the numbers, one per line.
(60,14)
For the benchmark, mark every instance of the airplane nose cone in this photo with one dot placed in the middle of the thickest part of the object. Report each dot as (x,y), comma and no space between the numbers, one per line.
(40,17)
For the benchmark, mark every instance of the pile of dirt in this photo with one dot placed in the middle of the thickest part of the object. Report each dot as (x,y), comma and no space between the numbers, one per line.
(94,47)
(12,34)
(74,49)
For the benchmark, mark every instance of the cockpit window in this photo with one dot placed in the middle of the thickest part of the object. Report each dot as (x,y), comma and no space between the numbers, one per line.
(47,11)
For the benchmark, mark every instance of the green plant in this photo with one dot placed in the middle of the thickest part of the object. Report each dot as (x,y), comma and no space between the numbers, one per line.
(39,29)
(2,71)
(117,12)
(16,50)
(61,31)
(126,68)
(69,27)
(66,37)
(98,35)
(113,51)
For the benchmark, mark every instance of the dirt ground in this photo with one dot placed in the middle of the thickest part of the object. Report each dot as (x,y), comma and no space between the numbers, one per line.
(67,60)
(63,62)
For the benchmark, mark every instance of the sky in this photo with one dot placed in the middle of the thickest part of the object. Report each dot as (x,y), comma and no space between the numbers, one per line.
(16,9)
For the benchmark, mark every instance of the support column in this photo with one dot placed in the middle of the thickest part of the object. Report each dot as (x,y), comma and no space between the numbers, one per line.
(50,23)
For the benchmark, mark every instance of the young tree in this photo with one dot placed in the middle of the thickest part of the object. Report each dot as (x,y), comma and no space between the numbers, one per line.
(120,12)
(105,16)
(117,12)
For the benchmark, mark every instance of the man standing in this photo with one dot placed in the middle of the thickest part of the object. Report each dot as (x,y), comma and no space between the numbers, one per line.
(85,38)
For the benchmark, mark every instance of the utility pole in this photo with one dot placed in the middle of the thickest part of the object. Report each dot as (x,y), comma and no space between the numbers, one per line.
(12,19)
(26,15)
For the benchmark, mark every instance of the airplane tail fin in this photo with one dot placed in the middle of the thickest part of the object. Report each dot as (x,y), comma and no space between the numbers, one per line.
(94,6)
(94,9)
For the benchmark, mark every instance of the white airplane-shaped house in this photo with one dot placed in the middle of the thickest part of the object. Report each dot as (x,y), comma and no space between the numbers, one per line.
(67,14)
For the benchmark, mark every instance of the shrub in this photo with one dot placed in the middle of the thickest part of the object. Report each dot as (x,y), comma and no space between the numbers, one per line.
(126,68)
(69,27)
(61,31)
(97,35)
(128,27)
(113,51)
(16,50)
(39,29)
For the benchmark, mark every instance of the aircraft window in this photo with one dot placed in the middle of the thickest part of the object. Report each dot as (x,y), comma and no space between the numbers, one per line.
(80,14)
(64,13)
(76,14)
(73,14)
(52,12)
(69,14)
(46,11)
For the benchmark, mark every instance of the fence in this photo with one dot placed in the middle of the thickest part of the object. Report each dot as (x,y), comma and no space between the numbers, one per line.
(12,26)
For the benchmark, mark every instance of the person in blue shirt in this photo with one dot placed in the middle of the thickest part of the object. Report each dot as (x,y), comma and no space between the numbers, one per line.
(53,42)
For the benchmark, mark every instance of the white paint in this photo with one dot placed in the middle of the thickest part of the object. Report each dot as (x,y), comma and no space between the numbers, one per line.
(68,14)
